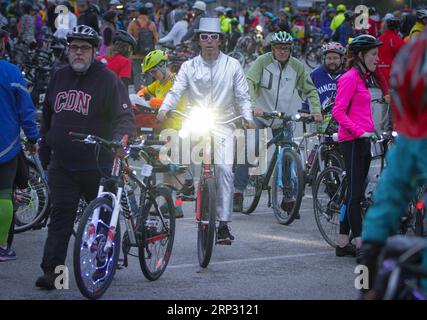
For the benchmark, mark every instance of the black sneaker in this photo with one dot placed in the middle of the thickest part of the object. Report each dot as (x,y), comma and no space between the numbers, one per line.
(46,281)
(348,250)
(359,255)
(238,202)
(224,236)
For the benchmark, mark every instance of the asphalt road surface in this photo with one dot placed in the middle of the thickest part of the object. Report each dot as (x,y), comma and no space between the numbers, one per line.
(266,261)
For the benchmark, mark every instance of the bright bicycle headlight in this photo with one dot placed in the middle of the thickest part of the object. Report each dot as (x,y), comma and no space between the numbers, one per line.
(200,121)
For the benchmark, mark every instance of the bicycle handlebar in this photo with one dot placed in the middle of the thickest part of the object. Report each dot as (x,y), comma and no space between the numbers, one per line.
(216,122)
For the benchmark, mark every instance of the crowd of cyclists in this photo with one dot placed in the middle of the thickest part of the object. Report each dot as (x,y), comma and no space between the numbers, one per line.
(129,40)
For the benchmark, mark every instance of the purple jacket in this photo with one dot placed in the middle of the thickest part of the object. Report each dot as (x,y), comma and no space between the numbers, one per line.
(351,87)
(39,24)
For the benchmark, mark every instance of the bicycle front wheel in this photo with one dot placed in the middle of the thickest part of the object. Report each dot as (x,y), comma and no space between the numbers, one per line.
(287,187)
(206,225)
(158,233)
(94,267)
(31,205)
(329,192)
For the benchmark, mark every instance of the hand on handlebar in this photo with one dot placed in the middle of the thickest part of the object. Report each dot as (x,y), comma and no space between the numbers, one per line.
(318,117)
(161,116)
(258,112)
(370,135)
(249,125)
(33,148)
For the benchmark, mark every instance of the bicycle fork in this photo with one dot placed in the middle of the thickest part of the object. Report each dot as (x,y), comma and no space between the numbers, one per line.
(91,236)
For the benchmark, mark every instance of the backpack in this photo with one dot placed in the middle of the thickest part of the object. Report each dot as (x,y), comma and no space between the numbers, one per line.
(145,41)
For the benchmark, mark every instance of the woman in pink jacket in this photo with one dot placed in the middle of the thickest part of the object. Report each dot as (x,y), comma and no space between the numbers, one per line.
(352,110)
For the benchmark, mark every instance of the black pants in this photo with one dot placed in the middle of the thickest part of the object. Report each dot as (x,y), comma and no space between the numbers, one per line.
(66,188)
(357,159)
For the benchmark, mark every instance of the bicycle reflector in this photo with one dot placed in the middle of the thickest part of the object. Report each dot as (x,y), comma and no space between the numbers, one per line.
(420,205)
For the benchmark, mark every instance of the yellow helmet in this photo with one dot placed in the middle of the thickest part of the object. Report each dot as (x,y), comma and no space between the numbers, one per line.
(152,59)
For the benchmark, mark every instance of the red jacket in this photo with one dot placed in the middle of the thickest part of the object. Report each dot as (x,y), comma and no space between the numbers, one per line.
(392,43)
(374,27)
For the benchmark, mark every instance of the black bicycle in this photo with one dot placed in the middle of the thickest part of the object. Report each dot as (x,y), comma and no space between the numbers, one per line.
(400,269)
(330,191)
(287,187)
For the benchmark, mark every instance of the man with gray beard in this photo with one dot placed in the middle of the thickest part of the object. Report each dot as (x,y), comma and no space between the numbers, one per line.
(83,97)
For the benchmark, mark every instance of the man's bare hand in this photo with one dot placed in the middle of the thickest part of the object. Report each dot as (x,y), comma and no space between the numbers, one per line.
(250,125)
(258,112)
(387,99)
(33,148)
(161,116)
(318,117)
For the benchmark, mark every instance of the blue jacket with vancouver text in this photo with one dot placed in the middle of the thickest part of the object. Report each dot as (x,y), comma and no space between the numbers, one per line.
(16,111)
(325,83)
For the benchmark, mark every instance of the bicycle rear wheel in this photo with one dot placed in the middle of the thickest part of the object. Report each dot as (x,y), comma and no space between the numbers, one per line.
(287,187)
(94,269)
(158,233)
(252,194)
(206,225)
(31,205)
(239,56)
(329,192)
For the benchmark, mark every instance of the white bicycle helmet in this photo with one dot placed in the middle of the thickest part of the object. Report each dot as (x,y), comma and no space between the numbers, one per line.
(83,32)
(282,37)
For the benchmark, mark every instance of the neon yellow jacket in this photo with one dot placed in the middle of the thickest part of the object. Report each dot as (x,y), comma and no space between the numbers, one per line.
(337,21)
(416,30)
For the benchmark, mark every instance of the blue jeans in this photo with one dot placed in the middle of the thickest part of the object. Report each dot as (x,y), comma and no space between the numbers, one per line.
(241,176)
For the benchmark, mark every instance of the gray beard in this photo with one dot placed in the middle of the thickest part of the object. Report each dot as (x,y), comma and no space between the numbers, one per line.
(80,67)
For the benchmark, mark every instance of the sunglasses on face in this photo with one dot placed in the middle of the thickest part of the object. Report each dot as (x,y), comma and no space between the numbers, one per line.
(74,48)
(209,36)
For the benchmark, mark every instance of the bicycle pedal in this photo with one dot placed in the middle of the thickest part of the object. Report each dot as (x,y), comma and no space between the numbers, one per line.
(188,198)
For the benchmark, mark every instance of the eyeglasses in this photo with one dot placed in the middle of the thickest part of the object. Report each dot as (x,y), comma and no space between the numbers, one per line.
(209,36)
(74,48)
(285,48)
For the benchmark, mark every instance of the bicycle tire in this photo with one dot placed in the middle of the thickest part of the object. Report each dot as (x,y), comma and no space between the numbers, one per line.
(111,262)
(37,185)
(288,218)
(206,228)
(149,234)
(239,56)
(256,182)
(336,195)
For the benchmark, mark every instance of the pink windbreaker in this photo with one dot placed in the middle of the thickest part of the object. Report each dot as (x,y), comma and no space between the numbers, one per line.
(359,120)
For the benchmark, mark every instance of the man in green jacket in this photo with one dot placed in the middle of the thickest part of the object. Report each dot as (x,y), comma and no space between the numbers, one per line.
(272,79)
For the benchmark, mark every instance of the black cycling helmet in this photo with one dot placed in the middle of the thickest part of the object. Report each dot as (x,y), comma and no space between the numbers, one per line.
(125,37)
(363,42)
(392,22)
(83,32)
(109,16)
